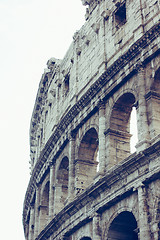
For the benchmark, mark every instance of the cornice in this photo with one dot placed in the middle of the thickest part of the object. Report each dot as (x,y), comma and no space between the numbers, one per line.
(134,51)
(152,94)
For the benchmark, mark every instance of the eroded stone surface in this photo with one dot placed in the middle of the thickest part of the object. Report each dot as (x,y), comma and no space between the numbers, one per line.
(84,181)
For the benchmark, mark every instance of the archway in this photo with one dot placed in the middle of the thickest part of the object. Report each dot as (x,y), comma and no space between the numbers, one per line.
(153,106)
(123,227)
(118,134)
(86,164)
(62,181)
(44,206)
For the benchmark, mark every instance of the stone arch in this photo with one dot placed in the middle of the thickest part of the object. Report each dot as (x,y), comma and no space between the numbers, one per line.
(61,187)
(123,227)
(86,164)
(82,133)
(118,133)
(153,105)
(155,86)
(44,206)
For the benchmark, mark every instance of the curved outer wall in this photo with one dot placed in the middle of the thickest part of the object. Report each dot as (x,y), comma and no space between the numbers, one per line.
(84,180)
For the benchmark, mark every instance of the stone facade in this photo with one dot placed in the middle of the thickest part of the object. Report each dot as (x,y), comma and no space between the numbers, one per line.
(85,183)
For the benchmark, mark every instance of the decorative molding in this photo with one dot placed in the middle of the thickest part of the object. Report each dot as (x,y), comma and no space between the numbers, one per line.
(152,94)
(119,133)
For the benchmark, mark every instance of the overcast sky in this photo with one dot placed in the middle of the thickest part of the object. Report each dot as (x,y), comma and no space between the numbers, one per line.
(31,32)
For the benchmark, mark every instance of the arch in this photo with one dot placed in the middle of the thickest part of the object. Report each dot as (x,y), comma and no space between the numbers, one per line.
(86,164)
(156,82)
(121,111)
(88,145)
(44,206)
(61,190)
(123,227)
(153,105)
(118,134)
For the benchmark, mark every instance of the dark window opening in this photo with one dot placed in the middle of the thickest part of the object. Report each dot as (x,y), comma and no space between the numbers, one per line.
(66,83)
(123,227)
(120,15)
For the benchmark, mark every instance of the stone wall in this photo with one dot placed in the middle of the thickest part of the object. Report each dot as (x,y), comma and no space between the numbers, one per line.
(84,181)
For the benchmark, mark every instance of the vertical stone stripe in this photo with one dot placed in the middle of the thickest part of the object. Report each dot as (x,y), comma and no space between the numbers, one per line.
(102,139)
(71,183)
(37,203)
(96,227)
(31,224)
(142,121)
(143,214)
(51,192)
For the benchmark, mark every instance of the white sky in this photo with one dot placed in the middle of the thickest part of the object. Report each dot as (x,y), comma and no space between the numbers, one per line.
(31,32)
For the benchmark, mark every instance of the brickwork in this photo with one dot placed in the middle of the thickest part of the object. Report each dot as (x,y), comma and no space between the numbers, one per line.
(85,184)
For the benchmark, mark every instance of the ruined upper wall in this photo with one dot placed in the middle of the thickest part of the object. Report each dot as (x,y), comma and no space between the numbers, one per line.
(111,28)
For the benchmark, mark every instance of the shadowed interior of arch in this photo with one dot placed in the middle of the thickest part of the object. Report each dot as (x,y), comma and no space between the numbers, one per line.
(153,101)
(86,164)
(62,181)
(123,227)
(44,206)
(120,127)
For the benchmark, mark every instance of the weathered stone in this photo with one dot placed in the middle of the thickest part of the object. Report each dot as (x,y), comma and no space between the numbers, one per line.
(85,183)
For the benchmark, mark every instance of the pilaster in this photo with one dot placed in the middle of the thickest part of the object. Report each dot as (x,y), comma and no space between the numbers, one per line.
(31,223)
(102,150)
(142,121)
(71,187)
(57,200)
(143,213)
(37,203)
(96,227)
(51,192)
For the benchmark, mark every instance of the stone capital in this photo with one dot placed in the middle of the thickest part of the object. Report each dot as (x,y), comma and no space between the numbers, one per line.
(138,185)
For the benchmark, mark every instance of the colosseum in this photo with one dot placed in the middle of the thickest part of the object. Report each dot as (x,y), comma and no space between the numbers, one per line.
(85,182)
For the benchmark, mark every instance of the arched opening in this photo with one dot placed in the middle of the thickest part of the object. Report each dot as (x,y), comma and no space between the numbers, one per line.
(119,134)
(123,227)
(86,164)
(62,182)
(153,106)
(133,130)
(44,206)
(156,83)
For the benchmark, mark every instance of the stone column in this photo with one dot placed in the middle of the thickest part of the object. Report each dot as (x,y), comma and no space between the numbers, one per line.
(37,203)
(51,191)
(142,121)
(143,213)
(31,223)
(102,152)
(156,230)
(58,202)
(96,227)
(71,184)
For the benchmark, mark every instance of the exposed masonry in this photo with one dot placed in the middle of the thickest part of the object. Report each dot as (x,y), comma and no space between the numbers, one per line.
(85,183)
